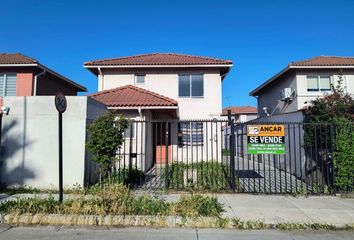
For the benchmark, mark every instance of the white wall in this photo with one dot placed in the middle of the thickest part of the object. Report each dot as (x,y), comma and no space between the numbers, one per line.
(165,82)
(29,153)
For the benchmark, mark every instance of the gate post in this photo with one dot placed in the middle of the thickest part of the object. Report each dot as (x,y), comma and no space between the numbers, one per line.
(166,155)
(232,149)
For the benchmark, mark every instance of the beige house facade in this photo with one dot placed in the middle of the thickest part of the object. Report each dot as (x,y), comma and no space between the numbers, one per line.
(158,92)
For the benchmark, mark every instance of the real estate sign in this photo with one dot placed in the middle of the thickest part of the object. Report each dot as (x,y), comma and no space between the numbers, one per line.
(265,139)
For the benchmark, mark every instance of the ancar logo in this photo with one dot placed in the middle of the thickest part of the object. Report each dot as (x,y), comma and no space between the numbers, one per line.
(253,130)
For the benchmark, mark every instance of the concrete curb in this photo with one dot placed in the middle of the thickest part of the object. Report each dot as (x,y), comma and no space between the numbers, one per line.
(157,221)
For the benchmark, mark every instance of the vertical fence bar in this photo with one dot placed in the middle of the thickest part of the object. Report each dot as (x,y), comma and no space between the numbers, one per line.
(232,149)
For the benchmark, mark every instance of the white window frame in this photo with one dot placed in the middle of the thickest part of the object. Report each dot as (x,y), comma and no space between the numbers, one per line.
(5,82)
(318,76)
(136,77)
(190,85)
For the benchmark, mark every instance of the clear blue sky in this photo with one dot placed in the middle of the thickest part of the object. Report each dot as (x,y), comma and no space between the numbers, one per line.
(261,37)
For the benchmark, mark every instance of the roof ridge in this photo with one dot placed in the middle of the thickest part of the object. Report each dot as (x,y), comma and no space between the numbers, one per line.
(158,53)
(124,57)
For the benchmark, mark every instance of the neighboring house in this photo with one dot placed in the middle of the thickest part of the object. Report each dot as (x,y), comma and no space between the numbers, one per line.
(292,89)
(163,87)
(241,113)
(24,76)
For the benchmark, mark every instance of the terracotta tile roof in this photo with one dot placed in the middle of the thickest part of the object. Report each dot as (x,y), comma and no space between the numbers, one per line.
(16,58)
(159,59)
(325,61)
(131,96)
(239,110)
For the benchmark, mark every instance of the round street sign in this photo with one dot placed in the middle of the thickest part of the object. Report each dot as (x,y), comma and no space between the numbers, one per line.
(60,102)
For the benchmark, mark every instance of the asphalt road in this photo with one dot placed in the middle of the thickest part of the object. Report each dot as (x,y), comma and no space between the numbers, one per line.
(53,233)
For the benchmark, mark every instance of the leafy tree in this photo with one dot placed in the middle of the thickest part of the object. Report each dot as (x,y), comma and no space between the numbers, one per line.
(334,114)
(105,137)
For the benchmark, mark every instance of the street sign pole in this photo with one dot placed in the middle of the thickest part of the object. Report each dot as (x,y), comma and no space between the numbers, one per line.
(60,104)
(60,157)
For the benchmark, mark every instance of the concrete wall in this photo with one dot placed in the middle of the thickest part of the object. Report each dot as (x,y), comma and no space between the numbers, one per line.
(29,152)
(165,82)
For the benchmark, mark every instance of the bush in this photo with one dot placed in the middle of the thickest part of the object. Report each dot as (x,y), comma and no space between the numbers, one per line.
(105,137)
(329,121)
(343,155)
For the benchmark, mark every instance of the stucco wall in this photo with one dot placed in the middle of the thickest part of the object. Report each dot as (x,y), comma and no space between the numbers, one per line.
(29,152)
(165,82)
(24,84)
(270,97)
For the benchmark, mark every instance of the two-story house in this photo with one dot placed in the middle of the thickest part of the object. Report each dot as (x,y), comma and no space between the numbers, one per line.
(163,86)
(24,76)
(288,92)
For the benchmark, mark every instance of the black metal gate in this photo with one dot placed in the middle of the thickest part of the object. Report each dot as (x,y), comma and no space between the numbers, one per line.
(212,155)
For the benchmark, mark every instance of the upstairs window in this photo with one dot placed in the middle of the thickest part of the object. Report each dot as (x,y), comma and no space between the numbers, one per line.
(140,79)
(7,84)
(191,85)
(318,83)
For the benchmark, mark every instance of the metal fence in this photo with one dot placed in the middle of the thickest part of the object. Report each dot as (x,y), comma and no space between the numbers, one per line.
(212,155)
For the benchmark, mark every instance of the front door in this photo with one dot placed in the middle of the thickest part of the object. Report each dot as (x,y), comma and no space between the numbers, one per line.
(162,143)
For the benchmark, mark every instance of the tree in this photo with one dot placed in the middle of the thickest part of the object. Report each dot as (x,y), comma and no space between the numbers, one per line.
(335,115)
(105,137)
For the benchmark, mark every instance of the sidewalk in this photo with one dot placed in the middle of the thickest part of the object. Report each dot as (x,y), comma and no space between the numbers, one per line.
(271,209)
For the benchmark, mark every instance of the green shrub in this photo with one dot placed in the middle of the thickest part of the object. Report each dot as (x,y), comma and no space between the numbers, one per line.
(329,126)
(343,155)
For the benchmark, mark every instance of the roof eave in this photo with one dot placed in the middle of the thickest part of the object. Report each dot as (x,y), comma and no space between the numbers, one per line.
(158,65)
(19,65)
(323,66)
(143,107)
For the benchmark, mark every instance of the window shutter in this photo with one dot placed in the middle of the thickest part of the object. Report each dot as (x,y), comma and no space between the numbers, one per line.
(10,86)
(325,83)
(312,83)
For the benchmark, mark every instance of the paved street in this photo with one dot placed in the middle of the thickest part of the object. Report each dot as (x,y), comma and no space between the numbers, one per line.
(53,233)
